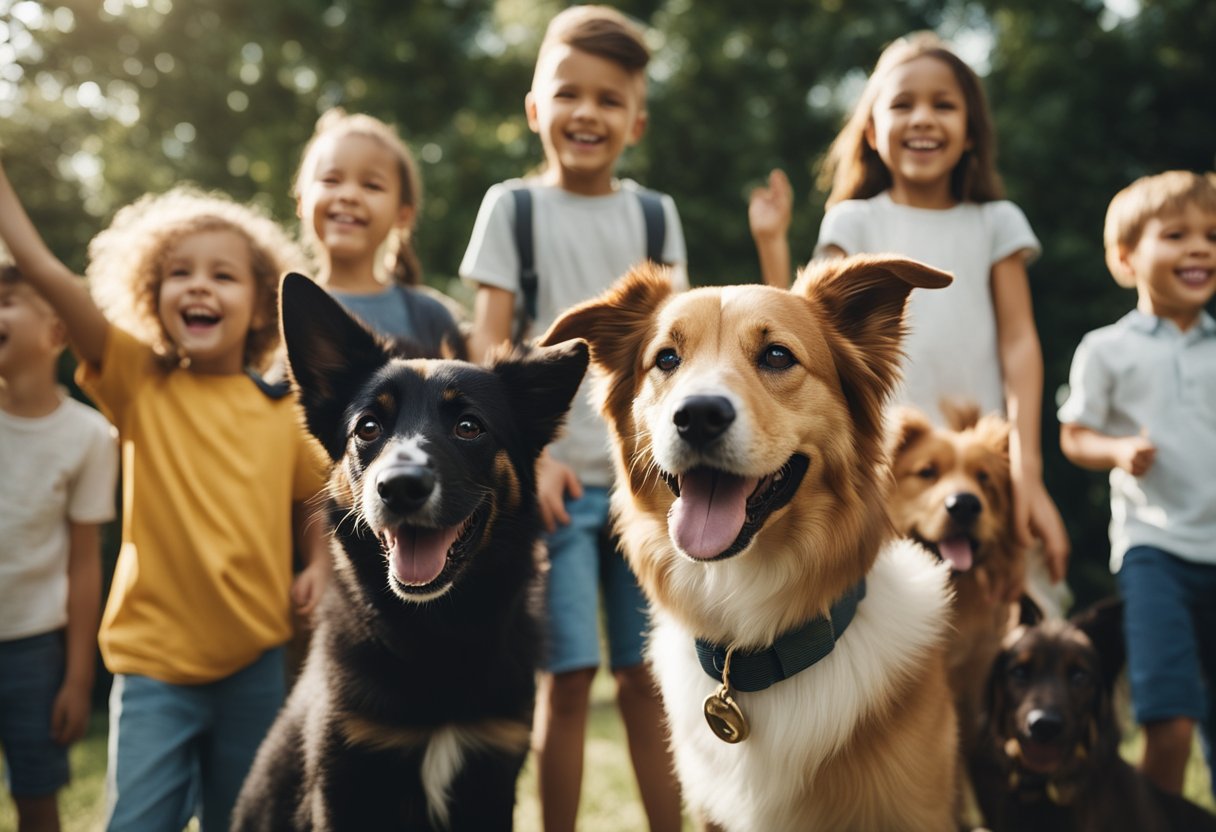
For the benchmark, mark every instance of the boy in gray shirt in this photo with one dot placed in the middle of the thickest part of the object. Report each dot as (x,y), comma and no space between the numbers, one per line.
(587,103)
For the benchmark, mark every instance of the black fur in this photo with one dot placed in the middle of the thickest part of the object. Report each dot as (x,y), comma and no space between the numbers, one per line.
(1055,679)
(394,663)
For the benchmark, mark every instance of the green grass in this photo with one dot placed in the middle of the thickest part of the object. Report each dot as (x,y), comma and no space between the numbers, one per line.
(610,796)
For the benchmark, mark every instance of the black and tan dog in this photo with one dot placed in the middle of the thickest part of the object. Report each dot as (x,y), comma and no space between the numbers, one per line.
(1050,755)
(415,704)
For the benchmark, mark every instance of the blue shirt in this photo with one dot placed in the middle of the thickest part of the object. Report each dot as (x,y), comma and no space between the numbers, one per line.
(1143,373)
(398,312)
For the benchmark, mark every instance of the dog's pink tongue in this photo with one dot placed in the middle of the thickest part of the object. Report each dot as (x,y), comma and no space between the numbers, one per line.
(957,552)
(417,556)
(709,513)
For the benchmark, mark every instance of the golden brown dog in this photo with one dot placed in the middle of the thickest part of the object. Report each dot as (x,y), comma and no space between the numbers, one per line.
(797,642)
(953,495)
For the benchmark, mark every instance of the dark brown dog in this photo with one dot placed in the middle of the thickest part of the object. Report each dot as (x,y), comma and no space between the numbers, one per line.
(1050,759)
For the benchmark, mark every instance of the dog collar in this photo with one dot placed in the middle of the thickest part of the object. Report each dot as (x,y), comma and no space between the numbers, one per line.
(792,652)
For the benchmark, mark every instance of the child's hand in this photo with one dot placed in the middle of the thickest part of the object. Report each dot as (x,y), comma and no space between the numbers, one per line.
(553,481)
(1135,454)
(70,713)
(1037,518)
(769,207)
(307,587)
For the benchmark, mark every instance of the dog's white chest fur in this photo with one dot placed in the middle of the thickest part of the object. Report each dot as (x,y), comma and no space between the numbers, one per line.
(799,723)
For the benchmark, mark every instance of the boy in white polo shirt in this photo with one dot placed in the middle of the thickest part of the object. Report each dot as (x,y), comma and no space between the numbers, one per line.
(1143,405)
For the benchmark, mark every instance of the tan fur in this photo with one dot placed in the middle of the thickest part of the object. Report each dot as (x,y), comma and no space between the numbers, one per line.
(500,734)
(930,464)
(891,761)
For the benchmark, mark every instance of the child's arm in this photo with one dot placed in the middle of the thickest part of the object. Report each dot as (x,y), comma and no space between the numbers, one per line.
(768,215)
(65,291)
(1096,451)
(1022,367)
(493,312)
(70,711)
(312,538)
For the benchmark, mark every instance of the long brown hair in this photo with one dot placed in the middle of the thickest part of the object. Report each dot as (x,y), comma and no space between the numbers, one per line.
(404,266)
(854,170)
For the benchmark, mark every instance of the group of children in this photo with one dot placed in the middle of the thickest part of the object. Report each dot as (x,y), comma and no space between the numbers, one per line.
(177,346)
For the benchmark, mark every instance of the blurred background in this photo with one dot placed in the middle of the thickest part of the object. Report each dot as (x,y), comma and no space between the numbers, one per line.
(102,100)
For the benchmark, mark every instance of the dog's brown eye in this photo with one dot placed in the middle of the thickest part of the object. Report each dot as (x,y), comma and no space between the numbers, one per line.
(368,429)
(468,428)
(667,360)
(1079,676)
(776,357)
(982,477)
(1019,673)
(929,472)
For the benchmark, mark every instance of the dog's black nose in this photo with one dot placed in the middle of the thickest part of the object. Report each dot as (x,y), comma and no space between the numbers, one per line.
(1044,726)
(702,419)
(963,507)
(406,488)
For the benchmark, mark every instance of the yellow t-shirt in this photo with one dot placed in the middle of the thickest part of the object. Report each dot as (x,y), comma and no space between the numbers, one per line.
(211,466)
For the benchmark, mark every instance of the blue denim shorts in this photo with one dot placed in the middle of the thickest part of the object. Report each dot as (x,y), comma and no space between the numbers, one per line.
(583,566)
(31,673)
(1170,626)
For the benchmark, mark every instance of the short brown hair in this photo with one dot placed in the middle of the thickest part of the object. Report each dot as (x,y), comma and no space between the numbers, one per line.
(1162,194)
(601,31)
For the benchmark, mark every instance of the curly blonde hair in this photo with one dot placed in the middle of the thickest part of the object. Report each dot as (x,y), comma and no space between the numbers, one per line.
(126,264)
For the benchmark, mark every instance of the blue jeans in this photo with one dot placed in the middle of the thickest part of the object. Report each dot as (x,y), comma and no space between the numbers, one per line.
(177,750)
(1170,624)
(583,564)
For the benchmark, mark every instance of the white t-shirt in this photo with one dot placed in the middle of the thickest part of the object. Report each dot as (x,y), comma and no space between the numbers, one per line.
(54,470)
(951,346)
(582,244)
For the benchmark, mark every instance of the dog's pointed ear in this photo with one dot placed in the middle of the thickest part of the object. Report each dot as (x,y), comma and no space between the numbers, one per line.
(541,384)
(906,426)
(615,324)
(865,296)
(329,354)
(1029,613)
(1102,623)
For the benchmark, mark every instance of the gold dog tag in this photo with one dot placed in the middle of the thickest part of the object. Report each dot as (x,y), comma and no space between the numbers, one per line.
(723,713)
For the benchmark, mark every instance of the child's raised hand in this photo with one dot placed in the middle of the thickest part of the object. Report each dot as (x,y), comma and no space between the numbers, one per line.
(770,206)
(70,714)
(1135,454)
(553,481)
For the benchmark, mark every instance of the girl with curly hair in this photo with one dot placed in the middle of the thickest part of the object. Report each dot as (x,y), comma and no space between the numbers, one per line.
(216,473)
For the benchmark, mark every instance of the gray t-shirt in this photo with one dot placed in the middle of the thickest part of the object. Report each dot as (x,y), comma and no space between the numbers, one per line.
(582,245)
(1143,373)
(398,312)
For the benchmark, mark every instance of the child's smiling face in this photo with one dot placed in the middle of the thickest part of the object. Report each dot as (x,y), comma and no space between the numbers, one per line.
(587,110)
(30,333)
(353,198)
(1174,263)
(207,301)
(918,126)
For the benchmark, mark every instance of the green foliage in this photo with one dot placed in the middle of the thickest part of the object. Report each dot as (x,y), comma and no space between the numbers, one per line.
(100,102)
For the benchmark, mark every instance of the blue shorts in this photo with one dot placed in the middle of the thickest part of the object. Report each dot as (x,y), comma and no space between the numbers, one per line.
(180,750)
(31,673)
(1170,626)
(584,564)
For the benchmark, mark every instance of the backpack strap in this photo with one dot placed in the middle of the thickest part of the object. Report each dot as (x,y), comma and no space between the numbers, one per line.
(653,215)
(656,223)
(525,247)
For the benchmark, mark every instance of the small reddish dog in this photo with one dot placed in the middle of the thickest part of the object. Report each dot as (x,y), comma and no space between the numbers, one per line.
(1049,759)
(953,495)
